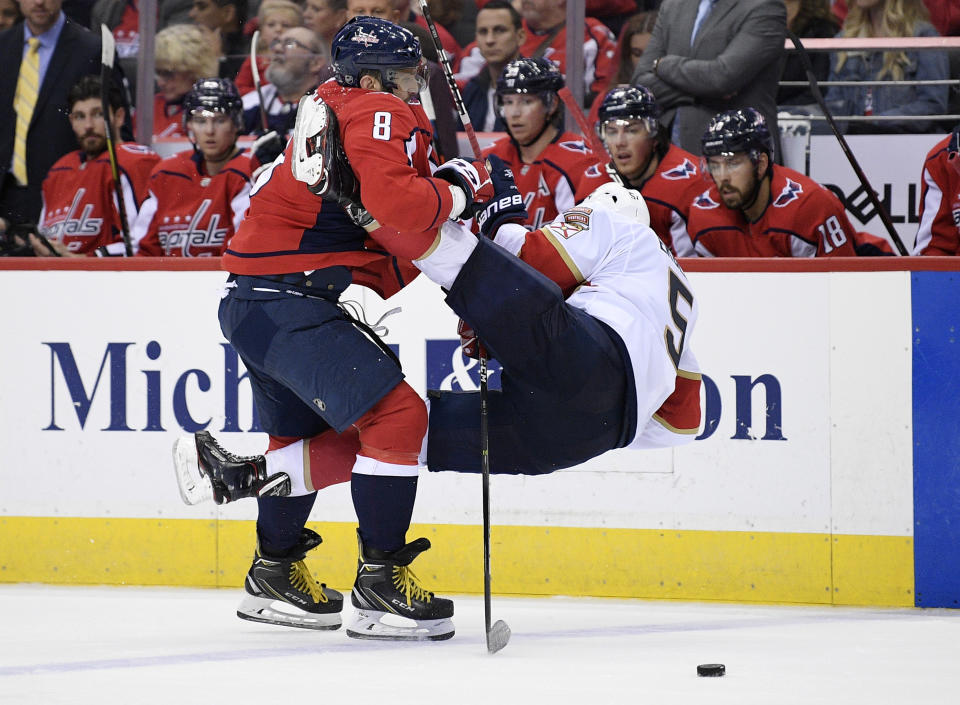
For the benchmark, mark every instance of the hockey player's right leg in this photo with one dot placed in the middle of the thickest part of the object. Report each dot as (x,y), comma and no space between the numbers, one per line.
(390,602)
(280,590)
(205,470)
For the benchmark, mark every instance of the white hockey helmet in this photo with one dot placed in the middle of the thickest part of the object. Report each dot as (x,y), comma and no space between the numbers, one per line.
(612,196)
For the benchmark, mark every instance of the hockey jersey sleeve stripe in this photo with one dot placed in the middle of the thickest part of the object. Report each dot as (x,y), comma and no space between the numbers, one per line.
(170,173)
(930,209)
(680,413)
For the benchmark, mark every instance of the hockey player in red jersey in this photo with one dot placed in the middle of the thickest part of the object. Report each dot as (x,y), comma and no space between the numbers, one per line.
(643,159)
(312,365)
(553,169)
(198,198)
(939,231)
(79,214)
(755,208)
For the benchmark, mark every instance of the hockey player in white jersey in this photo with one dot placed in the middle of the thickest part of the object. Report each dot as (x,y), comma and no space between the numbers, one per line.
(591,319)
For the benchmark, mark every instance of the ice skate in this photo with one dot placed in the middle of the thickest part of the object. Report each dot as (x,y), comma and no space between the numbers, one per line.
(205,471)
(390,602)
(281,590)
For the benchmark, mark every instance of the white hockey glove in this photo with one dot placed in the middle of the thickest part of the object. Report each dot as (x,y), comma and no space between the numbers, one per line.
(472,178)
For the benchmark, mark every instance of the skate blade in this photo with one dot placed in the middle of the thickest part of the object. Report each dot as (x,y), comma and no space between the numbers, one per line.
(498,636)
(193,485)
(261,609)
(370,625)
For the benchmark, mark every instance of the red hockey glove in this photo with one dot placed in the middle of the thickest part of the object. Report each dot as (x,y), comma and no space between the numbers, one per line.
(469,343)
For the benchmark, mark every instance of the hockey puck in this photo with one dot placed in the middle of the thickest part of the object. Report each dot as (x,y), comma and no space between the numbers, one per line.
(711,670)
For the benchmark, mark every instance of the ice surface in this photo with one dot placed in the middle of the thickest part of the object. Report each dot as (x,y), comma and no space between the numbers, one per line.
(172,646)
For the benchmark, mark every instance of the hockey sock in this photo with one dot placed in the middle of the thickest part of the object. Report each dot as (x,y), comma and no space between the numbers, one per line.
(384,503)
(443,263)
(280,521)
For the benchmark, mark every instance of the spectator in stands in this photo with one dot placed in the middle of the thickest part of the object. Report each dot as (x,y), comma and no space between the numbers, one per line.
(806,18)
(499,37)
(122,18)
(225,18)
(399,11)
(711,55)
(42,58)
(273,18)
(197,198)
(79,215)
(9,14)
(939,231)
(184,54)
(755,208)
(553,169)
(888,18)
(634,38)
(325,17)
(297,58)
(642,158)
(545,26)
(944,15)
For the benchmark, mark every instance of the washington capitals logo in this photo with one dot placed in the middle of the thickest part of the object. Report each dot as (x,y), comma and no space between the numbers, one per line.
(191,236)
(705,202)
(365,38)
(592,172)
(575,146)
(791,192)
(682,171)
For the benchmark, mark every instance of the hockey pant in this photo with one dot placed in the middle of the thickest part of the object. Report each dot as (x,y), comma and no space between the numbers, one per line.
(311,369)
(567,385)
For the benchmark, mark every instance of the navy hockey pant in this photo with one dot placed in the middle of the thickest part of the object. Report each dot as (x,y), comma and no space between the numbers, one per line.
(567,394)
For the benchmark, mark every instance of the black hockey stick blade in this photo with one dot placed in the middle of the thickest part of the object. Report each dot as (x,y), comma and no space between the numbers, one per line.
(497,636)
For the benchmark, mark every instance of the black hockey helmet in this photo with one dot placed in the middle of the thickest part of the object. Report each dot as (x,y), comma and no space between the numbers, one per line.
(743,130)
(215,95)
(630,103)
(373,44)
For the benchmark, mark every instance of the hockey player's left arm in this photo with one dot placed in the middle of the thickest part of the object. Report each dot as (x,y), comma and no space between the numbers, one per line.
(387,150)
(757,43)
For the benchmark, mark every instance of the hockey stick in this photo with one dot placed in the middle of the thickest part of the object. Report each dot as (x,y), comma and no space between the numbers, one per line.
(497,634)
(107,52)
(589,135)
(255,70)
(871,194)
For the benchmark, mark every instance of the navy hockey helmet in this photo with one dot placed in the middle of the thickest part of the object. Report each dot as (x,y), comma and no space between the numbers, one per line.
(215,95)
(630,103)
(373,44)
(537,76)
(743,130)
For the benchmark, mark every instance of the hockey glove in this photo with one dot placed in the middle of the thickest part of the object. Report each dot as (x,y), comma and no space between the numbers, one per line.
(472,178)
(469,343)
(507,203)
(267,147)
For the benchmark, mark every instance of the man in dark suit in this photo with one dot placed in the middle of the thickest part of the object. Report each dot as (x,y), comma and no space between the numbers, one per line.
(65,52)
(708,56)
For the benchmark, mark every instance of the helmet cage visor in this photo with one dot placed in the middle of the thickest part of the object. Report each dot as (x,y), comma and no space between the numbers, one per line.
(630,124)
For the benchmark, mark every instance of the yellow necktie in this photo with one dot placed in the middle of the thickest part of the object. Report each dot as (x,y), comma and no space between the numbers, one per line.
(25,99)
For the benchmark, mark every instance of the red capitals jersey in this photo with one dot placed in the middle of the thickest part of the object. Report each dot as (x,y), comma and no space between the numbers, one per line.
(190,214)
(289,229)
(562,175)
(167,118)
(80,202)
(802,219)
(669,193)
(939,231)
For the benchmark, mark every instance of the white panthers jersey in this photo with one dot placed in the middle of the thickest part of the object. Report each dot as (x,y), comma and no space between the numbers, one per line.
(618,271)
